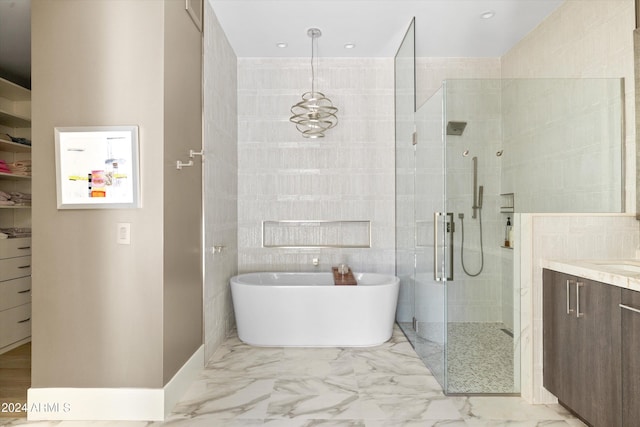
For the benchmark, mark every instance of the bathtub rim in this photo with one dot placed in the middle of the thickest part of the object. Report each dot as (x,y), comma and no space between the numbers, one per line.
(237,279)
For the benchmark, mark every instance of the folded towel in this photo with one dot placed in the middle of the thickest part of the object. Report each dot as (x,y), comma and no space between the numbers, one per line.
(7,203)
(22,163)
(4,236)
(3,194)
(16,232)
(21,199)
(19,195)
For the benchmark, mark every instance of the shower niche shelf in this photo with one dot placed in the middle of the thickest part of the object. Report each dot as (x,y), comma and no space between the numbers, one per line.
(507,204)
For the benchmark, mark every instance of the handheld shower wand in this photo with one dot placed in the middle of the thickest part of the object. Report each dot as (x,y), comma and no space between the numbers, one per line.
(478,192)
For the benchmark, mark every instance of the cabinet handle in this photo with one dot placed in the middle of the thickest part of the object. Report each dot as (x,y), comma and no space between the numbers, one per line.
(569,309)
(626,307)
(24,266)
(25,320)
(24,247)
(25,291)
(578,286)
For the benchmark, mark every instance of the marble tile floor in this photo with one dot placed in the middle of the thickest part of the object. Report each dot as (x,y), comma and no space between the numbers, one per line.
(381,386)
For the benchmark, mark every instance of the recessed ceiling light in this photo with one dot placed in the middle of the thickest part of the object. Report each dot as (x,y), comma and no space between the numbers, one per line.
(282,45)
(488,14)
(349,45)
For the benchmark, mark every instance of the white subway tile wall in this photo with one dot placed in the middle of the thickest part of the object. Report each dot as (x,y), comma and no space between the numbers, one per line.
(220,182)
(347,175)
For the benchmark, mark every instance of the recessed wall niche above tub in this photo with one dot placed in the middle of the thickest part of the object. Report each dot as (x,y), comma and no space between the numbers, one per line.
(316,234)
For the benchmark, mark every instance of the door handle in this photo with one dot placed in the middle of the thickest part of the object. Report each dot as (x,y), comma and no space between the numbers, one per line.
(450,229)
(626,307)
(569,309)
(578,286)
(436,216)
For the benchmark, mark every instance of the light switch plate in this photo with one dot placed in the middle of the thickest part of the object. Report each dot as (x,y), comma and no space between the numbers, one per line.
(124,233)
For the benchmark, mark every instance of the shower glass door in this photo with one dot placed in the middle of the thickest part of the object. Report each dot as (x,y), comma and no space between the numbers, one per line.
(432,228)
(421,256)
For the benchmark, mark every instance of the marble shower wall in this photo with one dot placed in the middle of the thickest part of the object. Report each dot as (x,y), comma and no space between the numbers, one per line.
(347,175)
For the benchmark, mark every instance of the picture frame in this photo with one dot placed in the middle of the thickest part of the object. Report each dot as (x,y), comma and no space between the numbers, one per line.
(97,167)
(194,9)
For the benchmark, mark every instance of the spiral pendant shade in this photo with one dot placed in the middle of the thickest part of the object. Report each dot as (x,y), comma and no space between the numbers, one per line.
(315,114)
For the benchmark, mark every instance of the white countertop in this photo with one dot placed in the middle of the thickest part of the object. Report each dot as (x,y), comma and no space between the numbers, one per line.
(624,273)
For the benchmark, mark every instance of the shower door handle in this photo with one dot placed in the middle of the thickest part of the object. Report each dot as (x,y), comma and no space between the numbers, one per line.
(436,217)
(450,230)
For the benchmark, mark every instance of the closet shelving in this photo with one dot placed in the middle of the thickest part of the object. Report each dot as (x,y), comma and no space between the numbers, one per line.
(15,253)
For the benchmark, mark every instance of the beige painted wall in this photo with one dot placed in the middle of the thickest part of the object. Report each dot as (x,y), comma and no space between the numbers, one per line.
(182,188)
(99,311)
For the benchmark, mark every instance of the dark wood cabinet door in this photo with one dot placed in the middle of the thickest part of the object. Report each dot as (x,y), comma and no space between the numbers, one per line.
(581,347)
(630,358)
(558,335)
(599,380)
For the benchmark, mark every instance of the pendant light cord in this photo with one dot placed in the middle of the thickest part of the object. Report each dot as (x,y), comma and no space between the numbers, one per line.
(313,74)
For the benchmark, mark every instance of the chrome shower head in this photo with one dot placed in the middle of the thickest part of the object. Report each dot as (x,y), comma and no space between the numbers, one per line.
(455,128)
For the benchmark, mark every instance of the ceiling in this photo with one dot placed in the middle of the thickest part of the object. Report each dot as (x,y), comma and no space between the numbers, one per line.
(444,28)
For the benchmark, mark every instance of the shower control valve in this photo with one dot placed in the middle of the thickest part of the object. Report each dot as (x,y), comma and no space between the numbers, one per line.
(316,262)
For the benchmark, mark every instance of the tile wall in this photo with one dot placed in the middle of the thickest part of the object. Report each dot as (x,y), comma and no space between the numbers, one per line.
(430,74)
(572,130)
(585,39)
(347,175)
(220,181)
(478,103)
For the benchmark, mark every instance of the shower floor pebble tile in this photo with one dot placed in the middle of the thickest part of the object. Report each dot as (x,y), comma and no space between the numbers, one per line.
(383,386)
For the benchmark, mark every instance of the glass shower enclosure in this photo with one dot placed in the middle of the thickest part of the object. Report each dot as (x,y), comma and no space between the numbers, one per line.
(469,159)
(454,307)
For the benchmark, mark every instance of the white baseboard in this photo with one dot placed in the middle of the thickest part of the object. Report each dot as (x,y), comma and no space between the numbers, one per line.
(113,404)
(182,380)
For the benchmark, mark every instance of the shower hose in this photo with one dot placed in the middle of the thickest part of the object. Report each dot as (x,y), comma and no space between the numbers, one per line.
(462,246)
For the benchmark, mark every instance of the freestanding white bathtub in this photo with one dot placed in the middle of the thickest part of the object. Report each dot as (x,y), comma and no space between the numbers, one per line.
(308,310)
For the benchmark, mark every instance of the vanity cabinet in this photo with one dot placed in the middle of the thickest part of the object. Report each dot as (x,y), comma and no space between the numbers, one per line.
(630,317)
(582,343)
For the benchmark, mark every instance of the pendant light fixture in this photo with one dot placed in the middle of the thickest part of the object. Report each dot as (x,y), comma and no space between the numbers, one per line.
(315,114)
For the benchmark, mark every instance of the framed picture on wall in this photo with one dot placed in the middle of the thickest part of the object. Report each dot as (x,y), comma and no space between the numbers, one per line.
(194,9)
(97,167)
